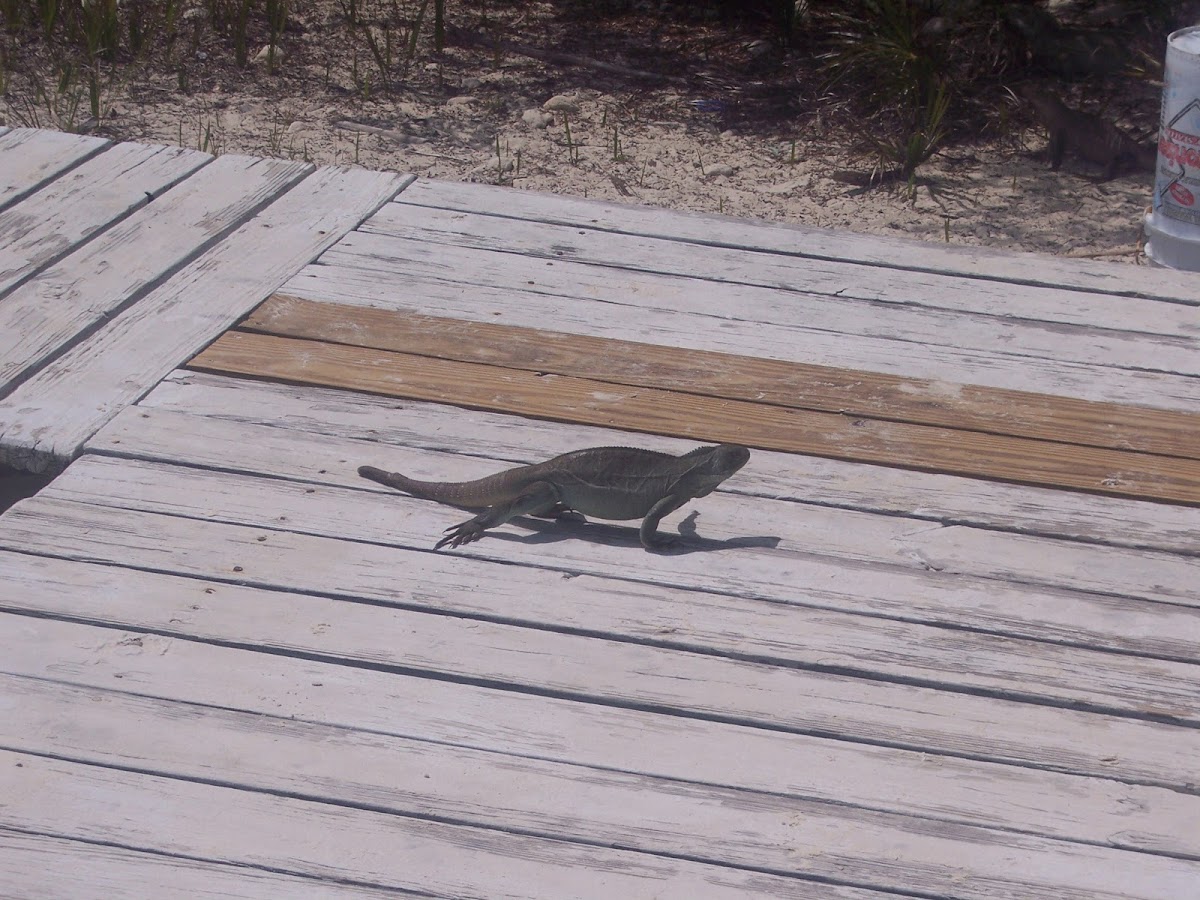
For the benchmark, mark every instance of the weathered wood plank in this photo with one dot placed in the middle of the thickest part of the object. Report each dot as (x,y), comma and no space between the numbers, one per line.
(100,191)
(649,318)
(886,283)
(297,410)
(710,230)
(30,157)
(592,669)
(997,332)
(722,826)
(43,316)
(736,377)
(837,537)
(45,421)
(302,836)
(41,866)
(583,401)
(637,742)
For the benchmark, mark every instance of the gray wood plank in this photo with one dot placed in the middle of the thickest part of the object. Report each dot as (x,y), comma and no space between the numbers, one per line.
(30,157)
(792,633)
(47,314)
(811,243)
(613,316)
(724,827)
(368,705)
(1170,330)
(600,670)
(880,283)
(297,410)
(390,851)
(795,565)
(48,225)
(39,867)
(46,420)
(845,534)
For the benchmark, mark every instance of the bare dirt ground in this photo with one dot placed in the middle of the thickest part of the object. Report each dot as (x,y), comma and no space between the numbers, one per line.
(731,123)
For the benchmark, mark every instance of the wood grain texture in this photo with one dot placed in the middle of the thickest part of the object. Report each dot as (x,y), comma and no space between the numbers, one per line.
(1033,586)
(695,314)
(578,400)
(95,194)
(45,421)
(31,157)
(605,671)
(357,710)
(723,826)
(326,840)
(985,330)
(37,866)
(708,230)
(297,414)
(850,392)
(49,313)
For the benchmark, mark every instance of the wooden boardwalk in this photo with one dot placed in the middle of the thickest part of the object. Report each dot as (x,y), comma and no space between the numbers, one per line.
(940,638)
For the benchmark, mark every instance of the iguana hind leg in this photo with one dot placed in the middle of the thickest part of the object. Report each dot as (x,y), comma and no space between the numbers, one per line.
(539,499)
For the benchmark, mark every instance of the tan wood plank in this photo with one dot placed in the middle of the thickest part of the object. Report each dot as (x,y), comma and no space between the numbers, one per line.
(298,413)
(738,377)
(47,314)
(46,420)
(40,866)
(722,826)
(30,157)
(98,192)
(1034,800)
(569,399)
(854,708)
(325,840)
(981,580)
(706,229)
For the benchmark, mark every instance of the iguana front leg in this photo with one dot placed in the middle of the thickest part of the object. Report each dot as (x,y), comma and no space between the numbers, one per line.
(649,530)
(539,499)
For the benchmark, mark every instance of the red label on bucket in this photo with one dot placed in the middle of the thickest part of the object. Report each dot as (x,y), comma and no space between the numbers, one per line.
(1181,195)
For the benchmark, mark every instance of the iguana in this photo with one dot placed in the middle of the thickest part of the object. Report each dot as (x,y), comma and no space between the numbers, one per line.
(1090,137)
(604,482)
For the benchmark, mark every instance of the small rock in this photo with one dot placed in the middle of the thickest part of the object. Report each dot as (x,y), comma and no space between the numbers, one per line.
(718,170)
(471,83)
(535,118)
(265,54)
(561,103)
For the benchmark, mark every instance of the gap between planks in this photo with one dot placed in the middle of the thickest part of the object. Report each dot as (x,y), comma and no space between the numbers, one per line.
(569,398)
(1101,809)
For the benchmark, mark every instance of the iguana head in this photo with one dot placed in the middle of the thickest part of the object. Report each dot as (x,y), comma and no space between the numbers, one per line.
(714,465)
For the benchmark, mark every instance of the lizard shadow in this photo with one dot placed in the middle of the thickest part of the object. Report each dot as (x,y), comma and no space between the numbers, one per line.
(572,526)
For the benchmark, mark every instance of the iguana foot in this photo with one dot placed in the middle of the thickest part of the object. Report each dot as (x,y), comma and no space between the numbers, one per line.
(457,535)
(662,544)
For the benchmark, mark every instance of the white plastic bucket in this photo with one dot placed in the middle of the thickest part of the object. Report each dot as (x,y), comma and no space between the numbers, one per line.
(1173,226)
